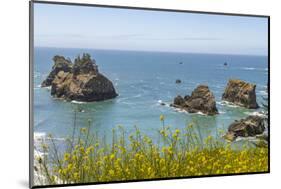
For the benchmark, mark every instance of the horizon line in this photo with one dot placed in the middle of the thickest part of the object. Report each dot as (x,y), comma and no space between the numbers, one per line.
(179,52)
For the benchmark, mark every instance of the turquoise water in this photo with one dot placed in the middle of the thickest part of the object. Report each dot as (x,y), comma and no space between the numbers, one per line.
(143,80)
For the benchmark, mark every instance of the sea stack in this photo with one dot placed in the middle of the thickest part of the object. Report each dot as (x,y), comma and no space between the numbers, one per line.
(80,81)
(201,100)
(248,127)
(241,93)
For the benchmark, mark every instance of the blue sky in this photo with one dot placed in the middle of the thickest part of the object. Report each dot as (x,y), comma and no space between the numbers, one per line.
(126,29)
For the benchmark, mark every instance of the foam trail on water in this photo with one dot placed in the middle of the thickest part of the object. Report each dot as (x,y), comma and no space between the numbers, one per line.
(77,102)
(229,104)
(260,114)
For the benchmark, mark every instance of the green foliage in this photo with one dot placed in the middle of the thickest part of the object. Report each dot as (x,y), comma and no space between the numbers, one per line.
(180,153)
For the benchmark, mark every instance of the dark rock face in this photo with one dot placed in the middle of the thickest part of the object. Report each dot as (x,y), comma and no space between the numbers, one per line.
(179,100)
(241,93)
(178,81)
(60,64)
(201,100)
(82,82)
(250,126)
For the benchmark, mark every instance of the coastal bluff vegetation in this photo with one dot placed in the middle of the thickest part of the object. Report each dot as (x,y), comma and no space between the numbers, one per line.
(80,81)
(135,156)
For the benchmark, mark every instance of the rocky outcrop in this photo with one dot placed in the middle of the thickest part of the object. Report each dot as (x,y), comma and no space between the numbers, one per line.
(81,82)
(60,64)
(178,81)
(250,126)
(178,101)
(201,100)
(241,93)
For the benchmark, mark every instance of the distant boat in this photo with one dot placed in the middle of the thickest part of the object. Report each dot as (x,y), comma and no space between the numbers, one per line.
(180,63)
(225,64)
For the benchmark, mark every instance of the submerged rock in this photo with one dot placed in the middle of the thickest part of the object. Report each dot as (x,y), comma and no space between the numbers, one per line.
(247,127)
(241,93)
(178,81)
(82,82)
(201,100)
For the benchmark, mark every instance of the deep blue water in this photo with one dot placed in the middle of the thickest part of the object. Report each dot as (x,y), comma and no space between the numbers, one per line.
(142,80)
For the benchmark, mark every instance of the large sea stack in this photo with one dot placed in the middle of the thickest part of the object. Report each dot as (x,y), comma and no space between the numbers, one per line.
(241,93)
(79,81)
(201,100)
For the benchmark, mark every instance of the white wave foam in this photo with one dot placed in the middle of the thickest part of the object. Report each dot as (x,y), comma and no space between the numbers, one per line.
(77,102)
(248,68)
(263,92)
(48,87)
(229,104)
(127,103)
(161,103)
(246,138)
(186,112)
(200,113)
(127,98)
(137,96)
(39,136)
(180,110)
(260,114)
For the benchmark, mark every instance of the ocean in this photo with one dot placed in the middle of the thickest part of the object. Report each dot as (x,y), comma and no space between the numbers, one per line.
(143,81)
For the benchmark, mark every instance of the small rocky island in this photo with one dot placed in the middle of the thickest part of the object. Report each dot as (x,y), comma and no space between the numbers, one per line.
(247,127)
(79,81)
(241,93)
(201,100)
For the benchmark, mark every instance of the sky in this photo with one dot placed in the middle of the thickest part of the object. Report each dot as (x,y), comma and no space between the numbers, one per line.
(65,26)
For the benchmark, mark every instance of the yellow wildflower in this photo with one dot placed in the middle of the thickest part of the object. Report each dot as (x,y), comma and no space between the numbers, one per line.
(162,117)
(66,156)
(83,130)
